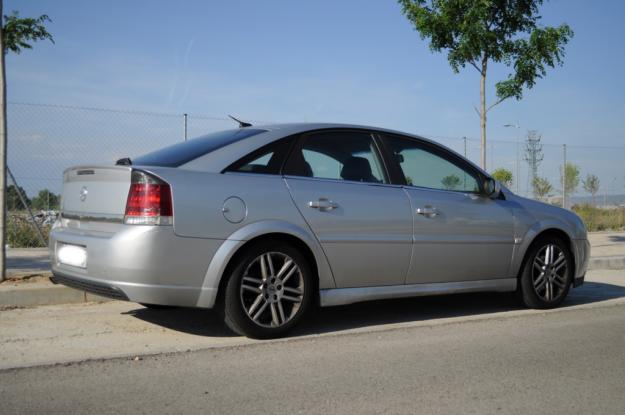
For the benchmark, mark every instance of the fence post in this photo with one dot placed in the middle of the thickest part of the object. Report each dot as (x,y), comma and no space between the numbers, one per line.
(564,204)
(185,126)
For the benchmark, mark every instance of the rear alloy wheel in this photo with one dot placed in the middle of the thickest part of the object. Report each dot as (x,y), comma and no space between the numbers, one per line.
(547,275)
(268,291)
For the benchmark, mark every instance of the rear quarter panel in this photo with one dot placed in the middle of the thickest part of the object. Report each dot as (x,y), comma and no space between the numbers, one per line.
(198,213)
(199,201)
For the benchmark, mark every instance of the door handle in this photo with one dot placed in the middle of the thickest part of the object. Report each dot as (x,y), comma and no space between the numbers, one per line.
(323,204)
(428,211)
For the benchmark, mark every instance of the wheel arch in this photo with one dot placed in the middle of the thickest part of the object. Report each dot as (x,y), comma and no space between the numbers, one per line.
(552,231)
(223,260)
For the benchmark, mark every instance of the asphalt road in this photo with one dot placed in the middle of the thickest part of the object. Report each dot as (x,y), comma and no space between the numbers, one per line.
(570,361)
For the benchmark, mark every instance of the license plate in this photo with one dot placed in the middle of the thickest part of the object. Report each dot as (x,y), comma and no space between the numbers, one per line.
(73,255)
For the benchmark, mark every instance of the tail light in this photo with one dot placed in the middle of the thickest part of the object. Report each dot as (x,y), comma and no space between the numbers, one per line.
(149,201)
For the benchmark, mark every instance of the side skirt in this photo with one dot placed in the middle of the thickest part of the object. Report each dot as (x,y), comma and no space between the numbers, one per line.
(342,296)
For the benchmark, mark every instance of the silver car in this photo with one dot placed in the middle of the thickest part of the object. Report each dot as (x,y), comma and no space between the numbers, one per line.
(263,223)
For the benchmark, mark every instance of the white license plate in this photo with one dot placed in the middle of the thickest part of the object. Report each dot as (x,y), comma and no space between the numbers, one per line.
(73,255)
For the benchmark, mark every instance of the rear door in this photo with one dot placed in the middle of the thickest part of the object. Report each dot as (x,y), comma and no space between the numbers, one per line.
(340,185)
(459,234)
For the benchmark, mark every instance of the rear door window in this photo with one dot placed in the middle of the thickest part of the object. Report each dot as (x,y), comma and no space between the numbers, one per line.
(338,155)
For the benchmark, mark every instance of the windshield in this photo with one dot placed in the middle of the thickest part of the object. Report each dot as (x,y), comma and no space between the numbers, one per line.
(181,153)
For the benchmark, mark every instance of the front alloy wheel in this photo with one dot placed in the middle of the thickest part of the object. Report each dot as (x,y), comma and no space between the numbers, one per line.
(546,277)
(268,291)
(549,272)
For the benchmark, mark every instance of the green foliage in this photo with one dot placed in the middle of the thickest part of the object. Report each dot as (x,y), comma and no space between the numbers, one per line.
(503,175)
(597,219)
(450,182)
(45,200)
(591,185)
(13,198)
(19,33)
(503,31)
(571,178)
(541,187)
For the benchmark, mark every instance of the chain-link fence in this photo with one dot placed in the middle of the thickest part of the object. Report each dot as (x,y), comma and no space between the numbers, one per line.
(46,139)
(43,140)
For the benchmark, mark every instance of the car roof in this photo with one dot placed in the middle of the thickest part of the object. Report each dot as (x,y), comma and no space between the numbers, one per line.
(221,158)
(301,127)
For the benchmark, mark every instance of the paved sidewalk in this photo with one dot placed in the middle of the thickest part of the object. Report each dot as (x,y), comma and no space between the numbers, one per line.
(604,244)
(74,332)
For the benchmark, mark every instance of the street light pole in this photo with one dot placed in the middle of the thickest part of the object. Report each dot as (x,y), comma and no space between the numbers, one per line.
(518,161)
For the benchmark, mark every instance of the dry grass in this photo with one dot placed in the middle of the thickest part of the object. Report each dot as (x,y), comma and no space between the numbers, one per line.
(22,234)
(597,219)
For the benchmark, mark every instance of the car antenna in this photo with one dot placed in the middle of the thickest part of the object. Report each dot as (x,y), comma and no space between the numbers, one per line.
(242,124)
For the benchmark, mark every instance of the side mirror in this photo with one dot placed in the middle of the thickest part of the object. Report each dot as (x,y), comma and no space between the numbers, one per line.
(492,188)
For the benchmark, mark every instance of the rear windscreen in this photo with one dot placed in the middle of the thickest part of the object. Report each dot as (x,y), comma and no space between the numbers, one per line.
(181,153)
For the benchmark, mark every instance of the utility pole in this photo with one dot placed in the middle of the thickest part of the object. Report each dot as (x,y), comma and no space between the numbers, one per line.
(564,176)
(517,179)
(533,154)
(3,153)
(465,147)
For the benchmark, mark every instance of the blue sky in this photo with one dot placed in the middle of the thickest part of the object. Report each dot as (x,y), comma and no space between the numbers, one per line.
(347,61)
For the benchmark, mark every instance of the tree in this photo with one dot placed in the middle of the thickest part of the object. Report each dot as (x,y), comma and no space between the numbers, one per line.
(15,34)
(13,198)
(591,185)
(499,31)
(541,187)
(503,175)
(18,32)
(451,182)
(571,180)
(45,200)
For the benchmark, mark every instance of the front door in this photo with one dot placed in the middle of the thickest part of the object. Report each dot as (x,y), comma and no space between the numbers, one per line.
(364,224)
(459,234)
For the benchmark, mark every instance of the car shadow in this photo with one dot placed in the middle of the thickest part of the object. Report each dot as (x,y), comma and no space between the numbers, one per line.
(341,318)
(437,307)
(200,322)
(617,238)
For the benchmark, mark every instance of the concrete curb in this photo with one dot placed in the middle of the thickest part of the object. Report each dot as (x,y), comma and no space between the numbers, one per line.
(25,294)
(42,293)
(607,262)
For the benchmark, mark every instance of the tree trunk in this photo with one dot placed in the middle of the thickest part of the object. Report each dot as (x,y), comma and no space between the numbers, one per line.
(3,155)
(483,115)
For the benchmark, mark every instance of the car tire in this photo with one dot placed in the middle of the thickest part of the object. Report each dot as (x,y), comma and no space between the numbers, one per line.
(547,273)
(268,291)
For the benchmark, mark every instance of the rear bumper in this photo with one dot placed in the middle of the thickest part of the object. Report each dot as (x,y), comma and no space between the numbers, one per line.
(143,264)
(83,284)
